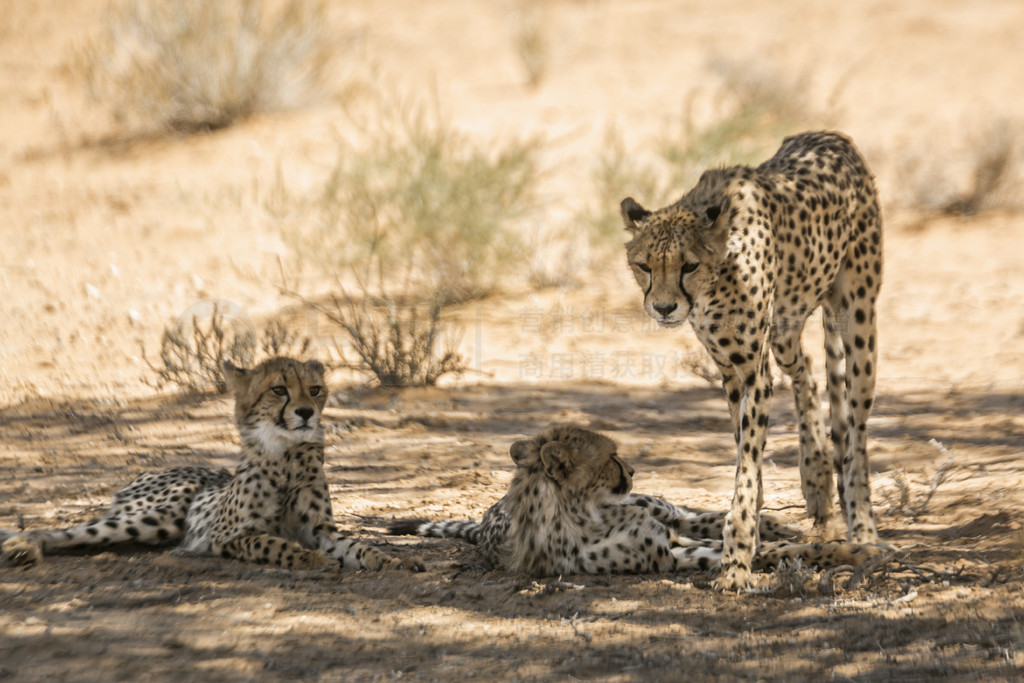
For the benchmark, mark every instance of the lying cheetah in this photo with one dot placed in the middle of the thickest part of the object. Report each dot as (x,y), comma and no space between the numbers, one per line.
(746,256)
(569,510)
(274,510)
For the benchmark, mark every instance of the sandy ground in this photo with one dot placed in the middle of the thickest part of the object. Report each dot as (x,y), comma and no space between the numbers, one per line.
(104,245)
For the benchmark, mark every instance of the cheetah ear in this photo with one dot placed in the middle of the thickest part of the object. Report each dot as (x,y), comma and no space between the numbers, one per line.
(632,213)
(557,459)
(520,452)
(315,366)
(716,226)
(237,379)
(715,212)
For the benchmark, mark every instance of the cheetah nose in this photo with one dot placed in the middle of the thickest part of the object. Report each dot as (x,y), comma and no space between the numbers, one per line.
(665,309)
(304,413)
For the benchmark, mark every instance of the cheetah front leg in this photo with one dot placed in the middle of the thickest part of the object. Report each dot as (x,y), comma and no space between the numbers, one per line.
(356,554)
(815,465)
(309,508)
(753,401)
(268,549)
(821,555)
(694,524)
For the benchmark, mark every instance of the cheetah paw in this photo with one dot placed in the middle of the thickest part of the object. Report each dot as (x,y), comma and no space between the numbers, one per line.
(379,560)
(823,530)
(412,564)
(314,560)
(732,580)
(861,553)
(21,550)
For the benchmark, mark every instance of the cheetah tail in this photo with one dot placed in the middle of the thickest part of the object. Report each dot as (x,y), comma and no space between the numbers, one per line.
(408,526)
(466,529)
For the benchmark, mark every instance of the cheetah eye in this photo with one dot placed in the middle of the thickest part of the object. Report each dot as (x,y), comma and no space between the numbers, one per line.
(643,266)
(280,390)
(690,267)
(315,391)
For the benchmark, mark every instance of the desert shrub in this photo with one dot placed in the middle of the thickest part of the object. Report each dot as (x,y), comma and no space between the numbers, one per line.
(900,499)
(401,341)
(530,39)
(555,255)
(927,177)
(193,349)
(756,107)
(617,174)
(192,65)
(425,201)
(414,218)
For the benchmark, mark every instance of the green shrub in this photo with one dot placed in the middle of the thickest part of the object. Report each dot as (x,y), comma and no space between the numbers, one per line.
(620,173)
(436,210)
(757,107)
(754,109)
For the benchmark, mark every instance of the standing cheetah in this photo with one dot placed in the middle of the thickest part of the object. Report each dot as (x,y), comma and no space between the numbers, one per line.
(746,256)
(275,509)
(569,510)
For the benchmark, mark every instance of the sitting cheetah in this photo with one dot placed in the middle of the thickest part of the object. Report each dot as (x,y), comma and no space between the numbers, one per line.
(274,510)
(569,510)
(746,256)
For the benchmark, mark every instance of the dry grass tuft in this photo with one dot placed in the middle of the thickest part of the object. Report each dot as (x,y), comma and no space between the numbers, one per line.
(790,579)
(530,39)
(995,155)
(989,178)
(619,173)
(901,500)
(402,342)
(415,218)
(193,349)
(756,107)
(193,65)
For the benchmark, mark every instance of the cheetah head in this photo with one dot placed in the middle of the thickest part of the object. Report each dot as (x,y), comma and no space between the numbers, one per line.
(280,400)
(581,464)
(675,252)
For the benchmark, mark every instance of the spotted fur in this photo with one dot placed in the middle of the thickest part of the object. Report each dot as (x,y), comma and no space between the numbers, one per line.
(570,510)
(746,256)
(275,509)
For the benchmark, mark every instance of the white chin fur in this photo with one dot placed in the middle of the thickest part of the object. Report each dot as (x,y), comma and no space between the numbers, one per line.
(275,438)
